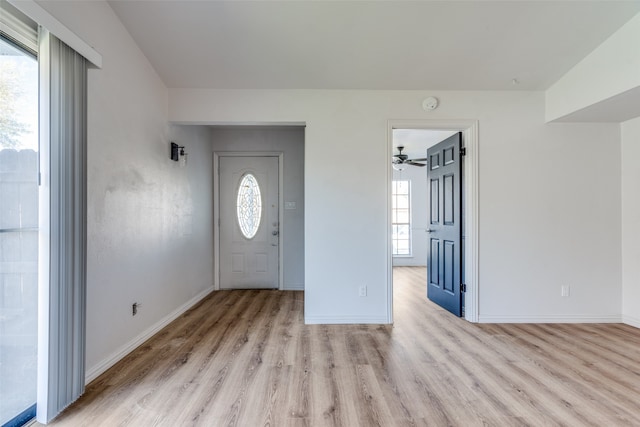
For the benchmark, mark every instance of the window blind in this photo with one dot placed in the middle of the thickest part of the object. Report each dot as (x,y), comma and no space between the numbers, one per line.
(63,196)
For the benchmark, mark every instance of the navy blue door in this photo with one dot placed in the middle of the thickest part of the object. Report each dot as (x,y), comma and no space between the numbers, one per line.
(443,260)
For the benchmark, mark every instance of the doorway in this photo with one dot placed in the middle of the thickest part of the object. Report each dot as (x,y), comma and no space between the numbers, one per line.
(247,239)
(249,222)
(419,229)
(287,143)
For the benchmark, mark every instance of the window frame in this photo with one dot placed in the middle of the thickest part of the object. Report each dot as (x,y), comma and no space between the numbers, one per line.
(394,216)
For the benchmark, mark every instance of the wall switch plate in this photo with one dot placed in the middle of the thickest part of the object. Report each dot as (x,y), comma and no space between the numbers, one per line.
(362,291)
(564,290)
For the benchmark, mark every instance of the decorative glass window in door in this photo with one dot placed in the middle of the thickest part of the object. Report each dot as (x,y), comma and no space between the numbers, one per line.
(249,206)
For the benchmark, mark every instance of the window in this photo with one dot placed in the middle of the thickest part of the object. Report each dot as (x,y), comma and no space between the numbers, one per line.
(33,260)
(401,218)
(249,206)
(18,233)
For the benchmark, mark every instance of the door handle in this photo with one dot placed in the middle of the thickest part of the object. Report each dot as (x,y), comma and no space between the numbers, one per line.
(429,230)
(274,233)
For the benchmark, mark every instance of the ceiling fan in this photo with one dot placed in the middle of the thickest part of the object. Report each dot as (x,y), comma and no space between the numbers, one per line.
(403,159)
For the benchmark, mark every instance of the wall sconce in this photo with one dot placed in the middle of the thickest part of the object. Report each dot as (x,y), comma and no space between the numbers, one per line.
(178,154)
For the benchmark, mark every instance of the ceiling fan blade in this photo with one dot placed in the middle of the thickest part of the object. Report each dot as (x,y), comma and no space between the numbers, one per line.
(419,160)
(412,163)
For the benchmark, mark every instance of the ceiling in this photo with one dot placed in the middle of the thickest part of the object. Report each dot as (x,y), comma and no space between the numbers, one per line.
(394,44)
(416,141)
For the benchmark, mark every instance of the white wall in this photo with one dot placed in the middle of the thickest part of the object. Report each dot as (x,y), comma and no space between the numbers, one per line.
(149,221)
(605,85)
(419,218)
(549,215)
(289,141)
(631,222)
(542,196)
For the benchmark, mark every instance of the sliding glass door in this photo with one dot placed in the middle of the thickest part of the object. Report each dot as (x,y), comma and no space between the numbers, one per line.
(18,233)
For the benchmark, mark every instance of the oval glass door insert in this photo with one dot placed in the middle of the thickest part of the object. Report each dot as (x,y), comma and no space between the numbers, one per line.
(249,206)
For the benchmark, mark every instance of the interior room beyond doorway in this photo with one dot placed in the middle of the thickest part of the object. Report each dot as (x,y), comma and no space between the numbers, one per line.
(416,137)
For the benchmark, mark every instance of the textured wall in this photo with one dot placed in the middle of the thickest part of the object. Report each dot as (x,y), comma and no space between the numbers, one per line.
(149,220)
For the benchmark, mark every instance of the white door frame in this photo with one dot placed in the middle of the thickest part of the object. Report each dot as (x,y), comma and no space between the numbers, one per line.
(216,209)
(469,129)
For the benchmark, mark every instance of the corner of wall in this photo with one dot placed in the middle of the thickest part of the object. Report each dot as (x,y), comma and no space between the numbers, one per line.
(630,184)
(604,86)
(99,368)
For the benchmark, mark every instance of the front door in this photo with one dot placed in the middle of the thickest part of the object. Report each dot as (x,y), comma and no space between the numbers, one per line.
(249,227)
(444,250)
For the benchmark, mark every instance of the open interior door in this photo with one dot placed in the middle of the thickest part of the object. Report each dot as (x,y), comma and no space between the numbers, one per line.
(445,249)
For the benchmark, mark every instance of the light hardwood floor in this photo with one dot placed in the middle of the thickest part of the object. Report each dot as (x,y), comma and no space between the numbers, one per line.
(245,358)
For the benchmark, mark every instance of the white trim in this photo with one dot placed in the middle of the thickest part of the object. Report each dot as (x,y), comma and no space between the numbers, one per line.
(296,287)
(216,209)
(119,354)
(469,128)
(34,11)
(254,125)
(216,222)
(345,320)
(631,321)
(281,231)
(557,318)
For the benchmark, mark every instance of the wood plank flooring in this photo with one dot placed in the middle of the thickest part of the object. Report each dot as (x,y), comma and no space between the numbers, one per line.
(245,358)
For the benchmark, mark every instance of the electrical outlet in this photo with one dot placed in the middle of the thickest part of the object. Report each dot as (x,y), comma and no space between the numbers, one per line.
(363,291)
(134,308)
(564,290)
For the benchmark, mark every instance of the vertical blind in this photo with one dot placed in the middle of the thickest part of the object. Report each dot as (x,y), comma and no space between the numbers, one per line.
(61,351)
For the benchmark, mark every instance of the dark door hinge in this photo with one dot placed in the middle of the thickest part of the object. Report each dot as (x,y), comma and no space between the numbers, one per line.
(463,287)
(463,151)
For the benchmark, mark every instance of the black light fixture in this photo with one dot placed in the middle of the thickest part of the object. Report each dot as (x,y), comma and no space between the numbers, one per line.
(178,154)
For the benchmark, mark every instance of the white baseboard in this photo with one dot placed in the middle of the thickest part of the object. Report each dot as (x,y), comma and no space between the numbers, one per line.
(401,262)
(569,318)
(631,321)
(119,354)
(345,320)
(296,287)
